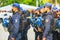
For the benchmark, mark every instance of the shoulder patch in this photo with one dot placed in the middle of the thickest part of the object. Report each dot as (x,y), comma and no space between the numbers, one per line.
(46,20)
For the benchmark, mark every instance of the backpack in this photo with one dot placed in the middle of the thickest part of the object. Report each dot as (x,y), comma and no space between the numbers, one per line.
(24,23)
(5,22)
(37,23)
(58,23)
(10,25)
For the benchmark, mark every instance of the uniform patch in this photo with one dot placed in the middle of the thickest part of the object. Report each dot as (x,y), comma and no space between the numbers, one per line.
(16,20)
(47,20)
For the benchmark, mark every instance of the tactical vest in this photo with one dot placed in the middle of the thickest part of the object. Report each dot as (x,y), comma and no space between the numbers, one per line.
(24,23)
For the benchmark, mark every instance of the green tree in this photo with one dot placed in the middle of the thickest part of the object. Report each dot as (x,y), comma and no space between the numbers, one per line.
(28,2)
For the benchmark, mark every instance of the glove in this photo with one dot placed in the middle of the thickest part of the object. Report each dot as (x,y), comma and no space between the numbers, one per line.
(12,38)
(43,38)
(39,29)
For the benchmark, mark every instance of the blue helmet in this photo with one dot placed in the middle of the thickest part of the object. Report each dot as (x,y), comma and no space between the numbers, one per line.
(5,22)
(17,5)
(48,4)
(42,6)
(55,8)
(58,10)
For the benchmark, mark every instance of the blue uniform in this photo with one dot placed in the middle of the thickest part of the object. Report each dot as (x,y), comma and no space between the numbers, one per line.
(15,20)
(47,24)
(16,23)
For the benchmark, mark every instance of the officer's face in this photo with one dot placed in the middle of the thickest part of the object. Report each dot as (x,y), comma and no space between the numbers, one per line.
(42,10)
(46,8)
(37,12)
(14,9)
(58,14)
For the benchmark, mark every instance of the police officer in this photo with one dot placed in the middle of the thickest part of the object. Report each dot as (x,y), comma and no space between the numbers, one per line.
(57,26)
(58,21)
(47,35)
(39,28)
(39,23)
(41,11)
(55,10)
(25,24)
(15,35)
(36,22)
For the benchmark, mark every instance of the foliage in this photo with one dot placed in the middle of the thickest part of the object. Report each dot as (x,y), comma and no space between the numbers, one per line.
(28,2)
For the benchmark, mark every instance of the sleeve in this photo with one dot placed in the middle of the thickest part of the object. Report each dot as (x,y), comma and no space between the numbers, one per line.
(47,26)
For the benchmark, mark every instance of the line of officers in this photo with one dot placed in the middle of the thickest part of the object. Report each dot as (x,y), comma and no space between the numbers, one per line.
(42,21)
